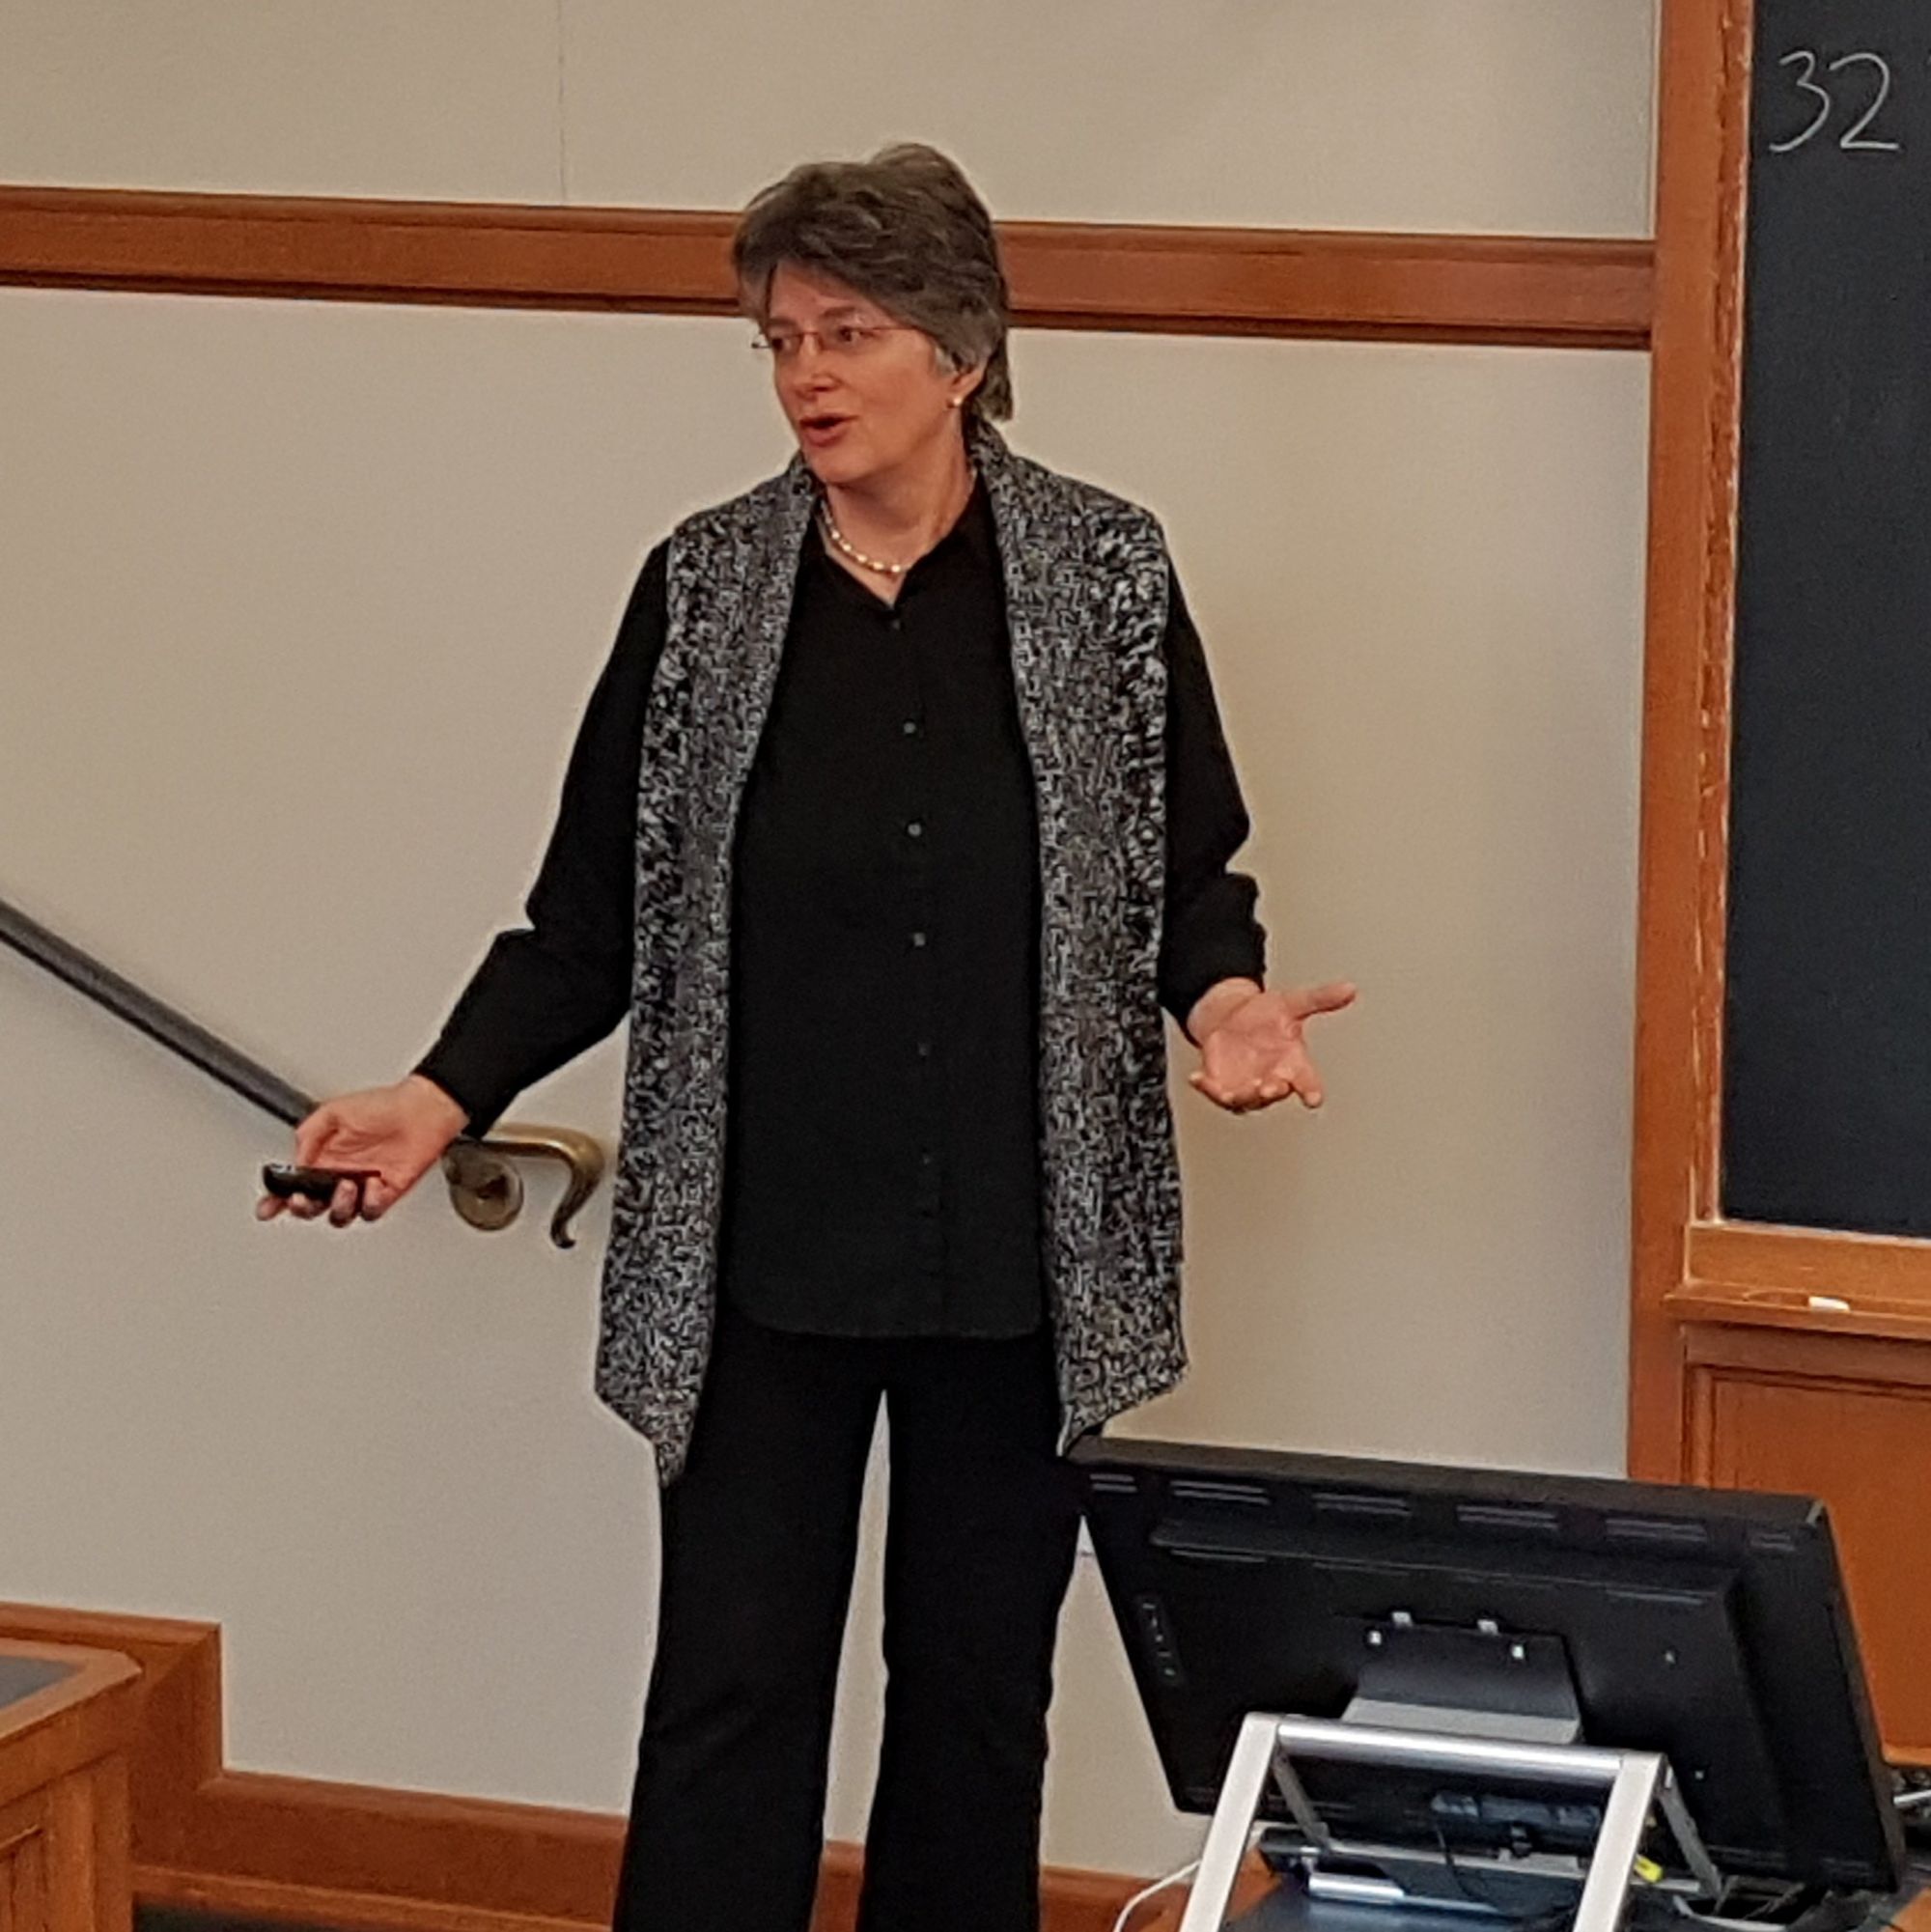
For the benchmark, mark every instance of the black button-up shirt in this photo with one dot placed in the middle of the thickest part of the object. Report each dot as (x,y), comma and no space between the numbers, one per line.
(881,1171)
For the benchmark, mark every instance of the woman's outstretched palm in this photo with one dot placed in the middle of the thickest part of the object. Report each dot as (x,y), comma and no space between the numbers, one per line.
(1257,1054)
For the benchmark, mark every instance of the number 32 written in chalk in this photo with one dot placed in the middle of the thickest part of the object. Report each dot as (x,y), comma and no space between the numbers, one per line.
(1850,91)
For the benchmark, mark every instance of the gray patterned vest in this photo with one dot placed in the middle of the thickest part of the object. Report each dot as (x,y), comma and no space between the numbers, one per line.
(1086,599)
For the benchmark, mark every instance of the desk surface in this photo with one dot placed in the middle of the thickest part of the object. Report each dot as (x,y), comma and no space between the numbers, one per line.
(57,1688)
(1262,1906)
(22,1676)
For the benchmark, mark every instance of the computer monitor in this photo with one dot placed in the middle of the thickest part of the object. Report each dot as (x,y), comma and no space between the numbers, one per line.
(1709,1626)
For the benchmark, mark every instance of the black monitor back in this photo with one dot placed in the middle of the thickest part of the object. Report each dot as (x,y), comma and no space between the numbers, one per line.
(1711,1626)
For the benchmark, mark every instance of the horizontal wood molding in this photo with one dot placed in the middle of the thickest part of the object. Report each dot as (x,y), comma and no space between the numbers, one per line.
(366,1857)
(1758,1255)
(1775,1309)
(1791,1355)
(1562,291)
(1783,1276)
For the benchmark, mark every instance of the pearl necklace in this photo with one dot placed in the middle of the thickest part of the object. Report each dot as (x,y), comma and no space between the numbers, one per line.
(857,556)
(840,544)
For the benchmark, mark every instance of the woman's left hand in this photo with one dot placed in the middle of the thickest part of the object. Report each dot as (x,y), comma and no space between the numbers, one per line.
(1252,1049)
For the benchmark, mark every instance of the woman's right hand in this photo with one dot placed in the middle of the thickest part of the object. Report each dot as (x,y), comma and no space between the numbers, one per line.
(399,1130)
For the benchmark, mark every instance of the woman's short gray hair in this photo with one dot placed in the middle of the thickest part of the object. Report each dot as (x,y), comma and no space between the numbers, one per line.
(904,228)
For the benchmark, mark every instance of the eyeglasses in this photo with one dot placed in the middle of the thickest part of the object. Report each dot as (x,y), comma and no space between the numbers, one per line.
(841,341)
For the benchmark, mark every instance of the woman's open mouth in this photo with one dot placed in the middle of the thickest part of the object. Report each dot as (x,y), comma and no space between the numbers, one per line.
(817,431)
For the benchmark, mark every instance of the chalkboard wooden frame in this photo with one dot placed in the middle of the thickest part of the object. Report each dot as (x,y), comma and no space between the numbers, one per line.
(1703,57)
(1692,1272)
(1761,1356)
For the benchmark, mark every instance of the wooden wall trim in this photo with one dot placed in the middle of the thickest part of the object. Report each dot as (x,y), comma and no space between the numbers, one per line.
(1796,1277)
(1856,1362)
(1724,1302)
(365,1857)
(1696,379)
(1562,291)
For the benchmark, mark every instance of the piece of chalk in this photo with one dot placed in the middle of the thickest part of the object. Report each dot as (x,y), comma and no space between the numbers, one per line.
(1829,1305)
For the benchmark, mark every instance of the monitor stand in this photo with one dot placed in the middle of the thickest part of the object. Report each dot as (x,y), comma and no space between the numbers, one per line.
(1462,1704)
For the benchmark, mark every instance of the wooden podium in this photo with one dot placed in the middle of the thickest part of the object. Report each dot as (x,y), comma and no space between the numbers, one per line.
(66,1720)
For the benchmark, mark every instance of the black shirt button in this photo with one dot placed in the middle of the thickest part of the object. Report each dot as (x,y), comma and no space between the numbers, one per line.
(915,830)
(910,727)
(925,1049)
(918,938)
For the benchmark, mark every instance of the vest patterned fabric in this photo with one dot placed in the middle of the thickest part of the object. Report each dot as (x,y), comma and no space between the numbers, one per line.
(1086,580)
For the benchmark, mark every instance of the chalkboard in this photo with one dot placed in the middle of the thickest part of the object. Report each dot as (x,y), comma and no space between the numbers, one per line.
(1827,1067)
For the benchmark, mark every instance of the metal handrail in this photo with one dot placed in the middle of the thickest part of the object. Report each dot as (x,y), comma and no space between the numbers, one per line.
(484,1187)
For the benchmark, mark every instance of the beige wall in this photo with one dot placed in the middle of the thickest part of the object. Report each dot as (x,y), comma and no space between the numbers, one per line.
(297,606)
(1501,114)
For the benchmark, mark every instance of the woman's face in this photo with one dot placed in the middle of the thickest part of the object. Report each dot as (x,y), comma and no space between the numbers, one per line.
(864,395)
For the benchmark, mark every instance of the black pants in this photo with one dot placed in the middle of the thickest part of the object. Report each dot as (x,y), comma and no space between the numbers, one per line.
(759,1538)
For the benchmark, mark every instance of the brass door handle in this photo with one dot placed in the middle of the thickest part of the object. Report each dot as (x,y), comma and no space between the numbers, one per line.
(486,1188)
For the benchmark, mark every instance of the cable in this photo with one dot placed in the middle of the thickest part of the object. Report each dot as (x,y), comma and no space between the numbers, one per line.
(1762,1913)
(1765,1909)
(1154,1890)
(1549,1919)
(1769,1908)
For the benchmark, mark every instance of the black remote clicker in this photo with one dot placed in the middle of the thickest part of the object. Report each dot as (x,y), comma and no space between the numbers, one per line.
(313,1184)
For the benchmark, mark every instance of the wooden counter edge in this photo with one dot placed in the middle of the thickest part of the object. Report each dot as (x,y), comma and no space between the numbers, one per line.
(71,1724)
